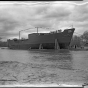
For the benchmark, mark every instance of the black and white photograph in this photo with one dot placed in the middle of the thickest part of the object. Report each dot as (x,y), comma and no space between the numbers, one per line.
(44,43)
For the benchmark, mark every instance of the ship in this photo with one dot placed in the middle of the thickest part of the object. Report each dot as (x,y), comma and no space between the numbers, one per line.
(53,40)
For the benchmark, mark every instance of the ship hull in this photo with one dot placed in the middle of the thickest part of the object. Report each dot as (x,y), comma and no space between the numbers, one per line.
(44,41)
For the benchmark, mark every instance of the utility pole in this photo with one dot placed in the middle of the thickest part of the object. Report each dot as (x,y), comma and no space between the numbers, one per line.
(72,25)
(19,35)
(37,29)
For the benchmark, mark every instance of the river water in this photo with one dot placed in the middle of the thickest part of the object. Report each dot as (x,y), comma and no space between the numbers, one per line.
(43,67)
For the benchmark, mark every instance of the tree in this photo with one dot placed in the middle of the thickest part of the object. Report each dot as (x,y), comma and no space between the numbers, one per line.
(85,36)
(79,41)
(76,40)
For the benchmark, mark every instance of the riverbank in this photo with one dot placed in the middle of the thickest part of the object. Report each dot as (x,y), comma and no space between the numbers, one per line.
(15,73)
(12,72)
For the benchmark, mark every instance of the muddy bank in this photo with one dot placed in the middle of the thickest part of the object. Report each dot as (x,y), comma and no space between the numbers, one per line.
(12,72)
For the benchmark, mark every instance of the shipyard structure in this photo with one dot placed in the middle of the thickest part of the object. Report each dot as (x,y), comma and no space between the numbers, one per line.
(53,40)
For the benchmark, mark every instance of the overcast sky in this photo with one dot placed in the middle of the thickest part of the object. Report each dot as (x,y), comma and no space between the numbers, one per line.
(16,16)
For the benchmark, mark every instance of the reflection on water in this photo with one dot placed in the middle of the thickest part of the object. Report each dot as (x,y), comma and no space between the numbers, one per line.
(55,65)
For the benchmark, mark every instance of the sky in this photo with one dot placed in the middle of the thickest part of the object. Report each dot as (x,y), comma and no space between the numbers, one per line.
(16,16)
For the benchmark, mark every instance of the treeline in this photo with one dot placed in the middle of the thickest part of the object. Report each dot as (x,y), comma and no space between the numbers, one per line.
(79,41)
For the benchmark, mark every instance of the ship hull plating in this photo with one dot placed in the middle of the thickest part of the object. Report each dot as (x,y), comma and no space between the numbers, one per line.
(44,41)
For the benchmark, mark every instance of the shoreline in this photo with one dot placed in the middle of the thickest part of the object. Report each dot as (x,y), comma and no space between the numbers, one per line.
(71,49)
(16,73)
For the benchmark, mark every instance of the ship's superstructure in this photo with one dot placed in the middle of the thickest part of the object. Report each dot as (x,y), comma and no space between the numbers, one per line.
(52,40)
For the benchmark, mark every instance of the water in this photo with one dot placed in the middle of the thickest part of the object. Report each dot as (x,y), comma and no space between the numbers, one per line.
(44,66)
